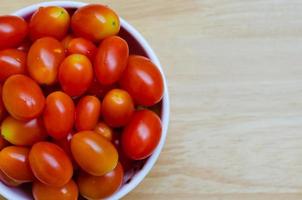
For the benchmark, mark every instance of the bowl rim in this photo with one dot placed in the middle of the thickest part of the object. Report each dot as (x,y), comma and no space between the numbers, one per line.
(17,194)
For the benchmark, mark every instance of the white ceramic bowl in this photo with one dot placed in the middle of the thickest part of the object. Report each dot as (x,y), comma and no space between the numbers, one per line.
(129,31)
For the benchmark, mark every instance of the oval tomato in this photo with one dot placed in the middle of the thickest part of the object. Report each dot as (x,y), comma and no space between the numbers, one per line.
(22,97)
(14,163)
(43,60)
(93,153)
(104,130)
(82,46)
(50,164)
(117,108)
(50,21)
(143,80)
(141,136)
(13,31)
(8,181)
(111,60)
(87,113)
(58,114)
(95,22)
(75,74)
(99,187)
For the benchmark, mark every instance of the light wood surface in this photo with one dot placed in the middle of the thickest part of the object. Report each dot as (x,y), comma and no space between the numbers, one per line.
(234,69)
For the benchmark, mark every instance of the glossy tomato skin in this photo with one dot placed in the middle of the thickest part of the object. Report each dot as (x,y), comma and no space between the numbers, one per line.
(104,130)
(8,181)
(143,80)
(44,192)
(58,115)
(43,60)
(87,113)
(99,187)
(12,61)
(95,22)
(22,97)
(142,135)
(14,163)
(111,60)
(13,31)
(93,153)
(82,46)
(50,21)
(117,108)
(23,133)
(50,164)
(75,74)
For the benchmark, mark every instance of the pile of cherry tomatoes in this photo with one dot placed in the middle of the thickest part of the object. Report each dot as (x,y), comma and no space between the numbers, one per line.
(76,108)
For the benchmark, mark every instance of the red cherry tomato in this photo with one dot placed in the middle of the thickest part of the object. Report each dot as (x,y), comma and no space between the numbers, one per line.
(22,97)
(93,153)
(13,30)
(44,192)
(3,112)
(58,114)
(51,21)
(117,108)
(75,74)
(99,187)
(23,132)
(99,90)
(104,130)
(14,163)
(143,81)
(141,136)
(43,60)
(82,46)
(87,113)
(12,61)
(95,22)
(8,181)
(24,46)
(111,60)
(50,164)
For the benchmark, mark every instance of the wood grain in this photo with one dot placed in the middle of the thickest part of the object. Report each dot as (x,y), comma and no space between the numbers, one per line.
(234,69)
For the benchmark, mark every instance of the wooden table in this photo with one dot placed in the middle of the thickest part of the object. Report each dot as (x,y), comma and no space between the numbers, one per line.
(234,69)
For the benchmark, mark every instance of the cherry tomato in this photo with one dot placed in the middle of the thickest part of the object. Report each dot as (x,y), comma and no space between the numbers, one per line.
(143,81)
(104,130)
(22,97)
(95,22)
(8,181)
(24,46)
(3,112)
(99,187)
(50,21)
(44,58)
(111,60)
(58,114)
(3,143)
(75,74)
(141,136)
(14,163)
(99,90)
(13,30)
(93,153)
(65,41)
(44,192)
(50,164)
(87,113)
(23,132)
(12,61)
(117,108)
(82,46)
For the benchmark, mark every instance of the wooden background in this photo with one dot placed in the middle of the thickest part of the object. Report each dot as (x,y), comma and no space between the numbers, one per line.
(234,69)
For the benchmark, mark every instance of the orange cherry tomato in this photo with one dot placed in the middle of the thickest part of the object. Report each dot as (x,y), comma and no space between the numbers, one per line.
(82,46)
(43,60)
(95,22)
(142,135)
(93,153)
(14,163)
(143,80)
(87,113)
(13,31)
(50,21)
(23,132)
(75,74)
(104,130)
(117,108)
(99,187)
(44,192)
(58,114)
(50,164)
(8,181)
(12,61)
(3,112)
(22,97)
(111,60)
